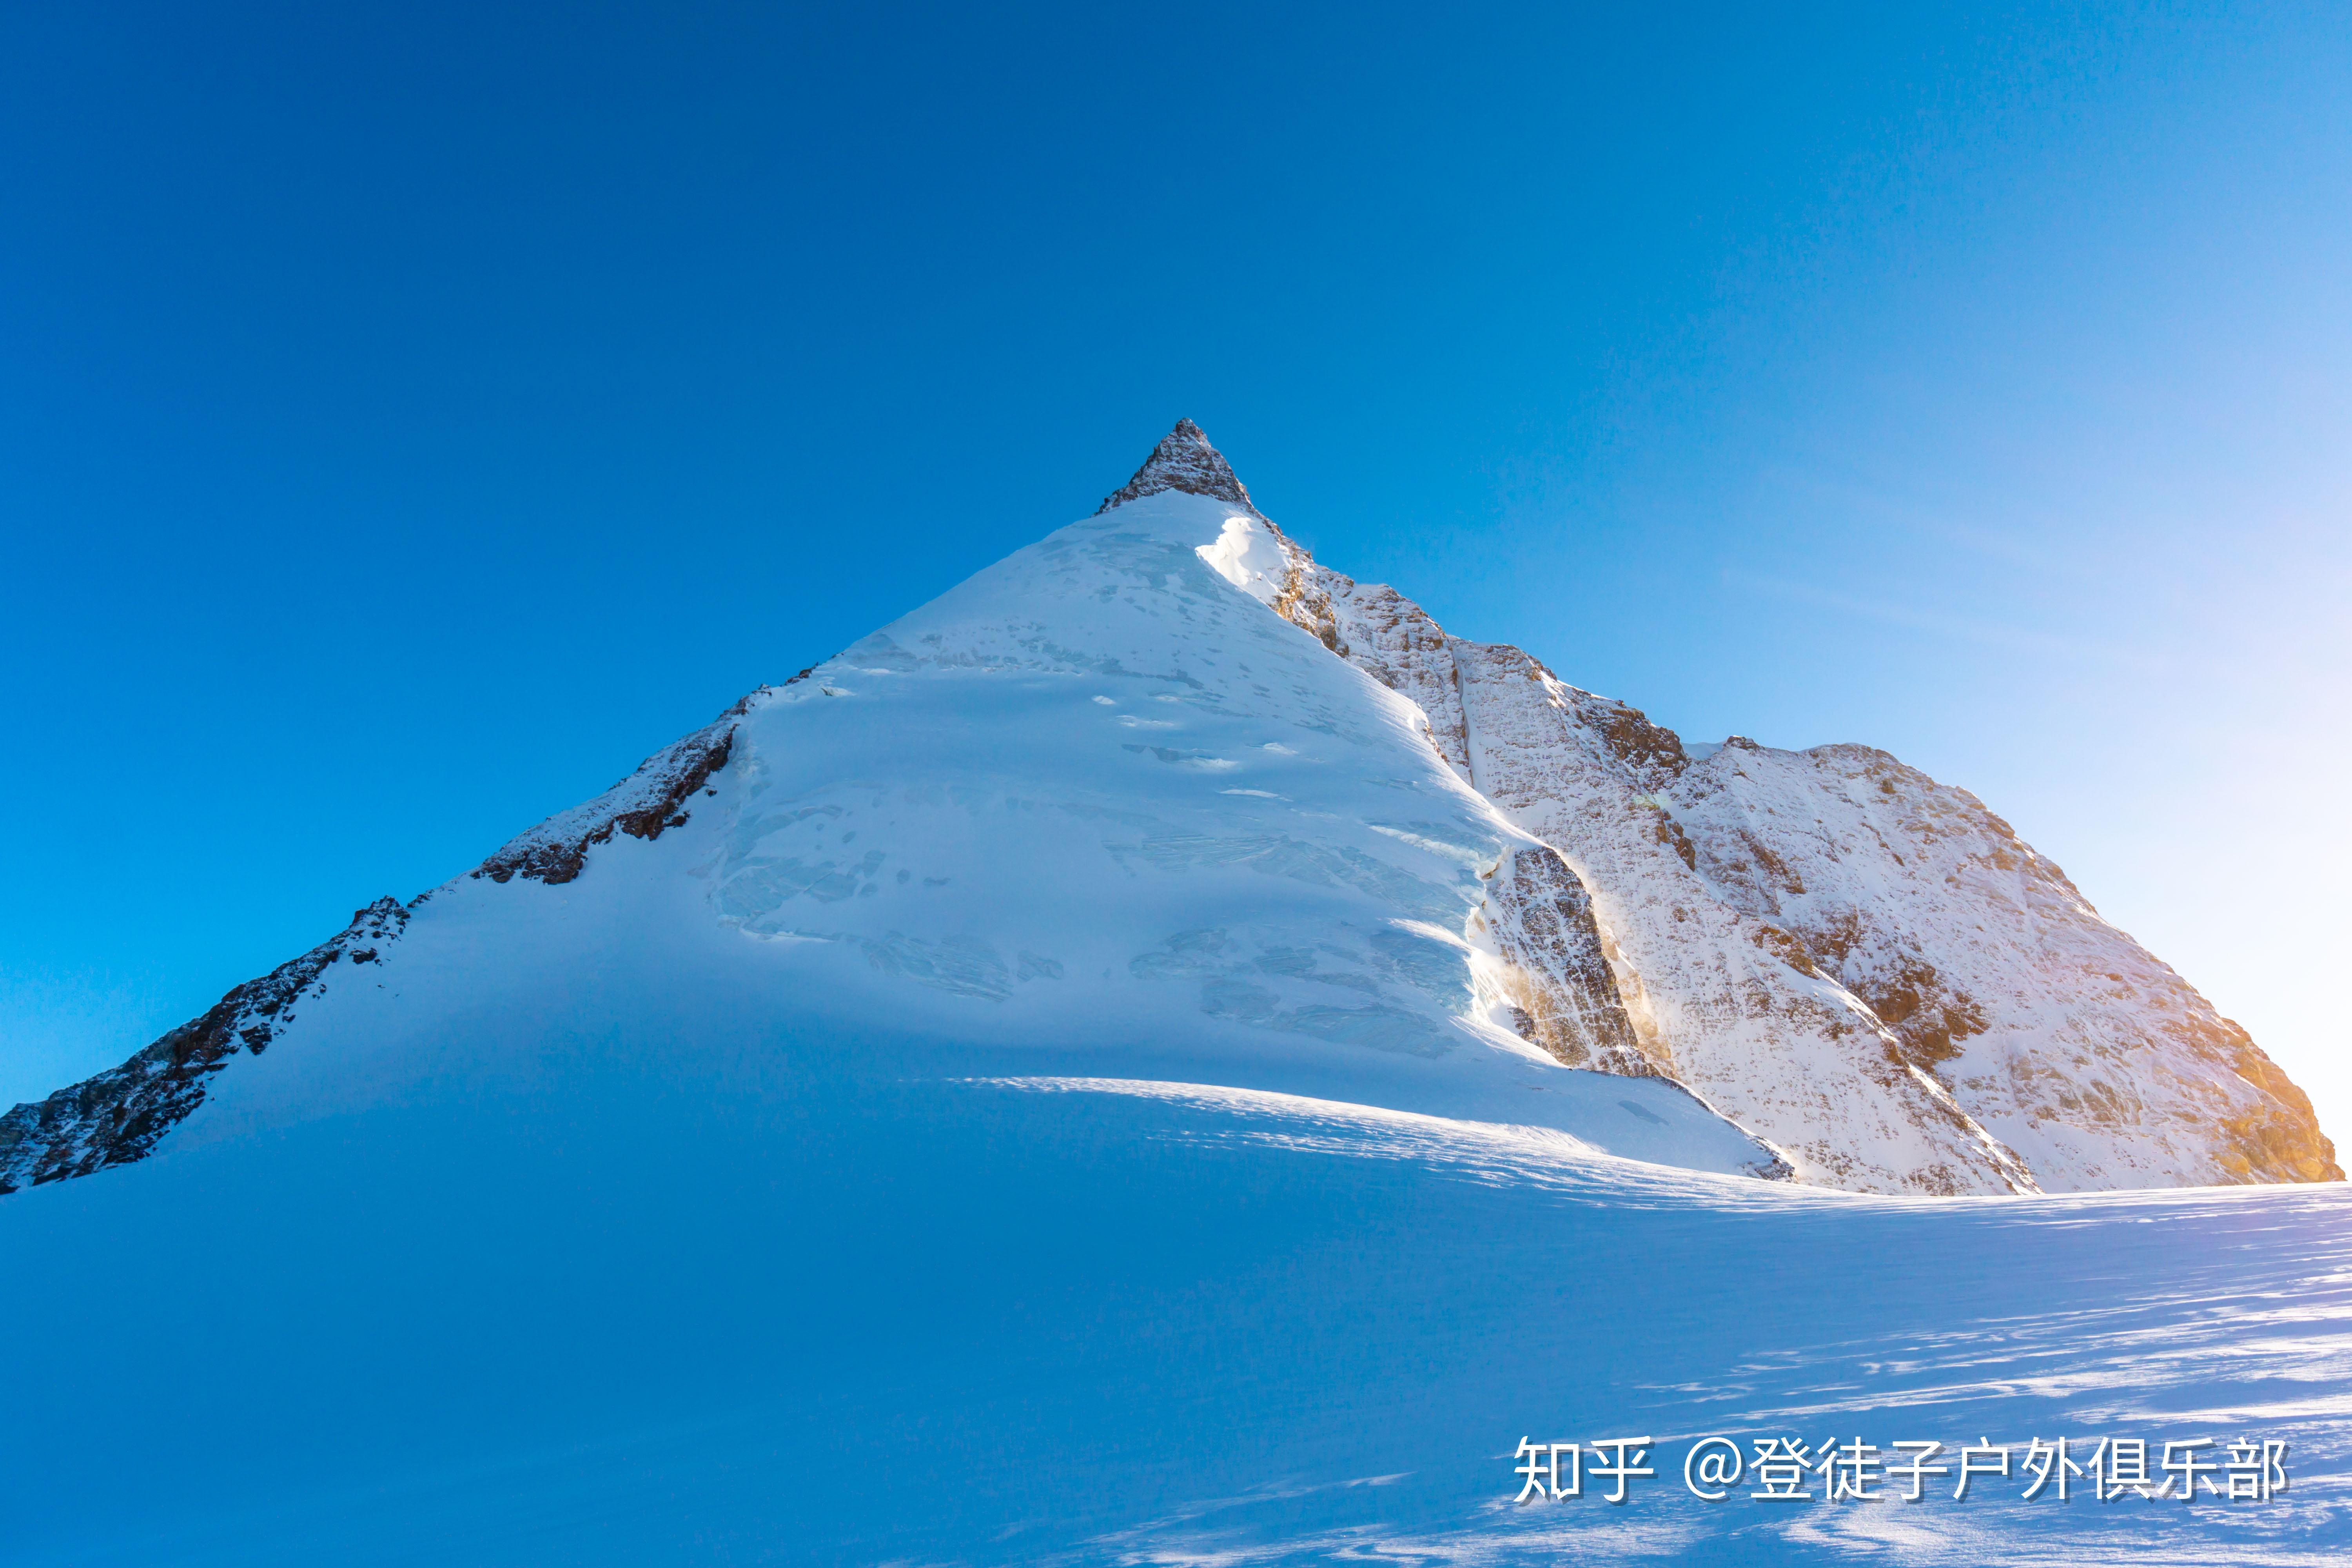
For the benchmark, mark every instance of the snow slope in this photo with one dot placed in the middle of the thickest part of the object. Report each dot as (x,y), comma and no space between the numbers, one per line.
(1125,788)
(1091,800)
(678,1282)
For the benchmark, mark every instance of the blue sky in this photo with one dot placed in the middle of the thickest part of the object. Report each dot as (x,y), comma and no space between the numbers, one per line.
(411,416)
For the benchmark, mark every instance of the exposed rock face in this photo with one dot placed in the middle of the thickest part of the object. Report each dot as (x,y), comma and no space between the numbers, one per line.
(117,1117)
(1182,461)
(1712,995)
(1557,977)
(2095,1062)
(1856,964)
(1388,636)
(644,805)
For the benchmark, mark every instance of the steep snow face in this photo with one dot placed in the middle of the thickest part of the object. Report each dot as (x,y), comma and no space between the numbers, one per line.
(2098,1064)
(1094,778)
(1093,785)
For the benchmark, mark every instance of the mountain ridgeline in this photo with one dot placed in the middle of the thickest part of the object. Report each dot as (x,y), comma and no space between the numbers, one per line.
(1862,977)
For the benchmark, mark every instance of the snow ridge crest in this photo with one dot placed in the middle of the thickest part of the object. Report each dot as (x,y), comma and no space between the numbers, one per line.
(1182,461)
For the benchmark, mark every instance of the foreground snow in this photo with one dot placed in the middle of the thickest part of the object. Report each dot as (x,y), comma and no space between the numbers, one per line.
(825,1298)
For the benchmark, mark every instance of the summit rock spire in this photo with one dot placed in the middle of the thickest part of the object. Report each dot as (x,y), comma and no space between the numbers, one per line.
(1182,461)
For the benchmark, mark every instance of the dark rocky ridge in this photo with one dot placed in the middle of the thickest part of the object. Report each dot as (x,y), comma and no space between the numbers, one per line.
(662,786)
(649,802)
(118,1116)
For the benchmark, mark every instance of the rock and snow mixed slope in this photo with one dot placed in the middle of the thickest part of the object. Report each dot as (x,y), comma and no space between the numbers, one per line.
(2061,1035)
(1866,967)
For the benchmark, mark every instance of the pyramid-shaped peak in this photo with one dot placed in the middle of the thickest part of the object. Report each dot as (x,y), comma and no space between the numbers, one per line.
(1182,461)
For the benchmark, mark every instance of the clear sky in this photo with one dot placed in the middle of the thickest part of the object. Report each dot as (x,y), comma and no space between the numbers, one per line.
(412,415)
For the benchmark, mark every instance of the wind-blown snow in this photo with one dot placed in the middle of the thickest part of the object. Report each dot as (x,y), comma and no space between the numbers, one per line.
(1246,555)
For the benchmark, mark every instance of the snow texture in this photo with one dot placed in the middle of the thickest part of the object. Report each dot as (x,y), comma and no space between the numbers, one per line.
(639,1269)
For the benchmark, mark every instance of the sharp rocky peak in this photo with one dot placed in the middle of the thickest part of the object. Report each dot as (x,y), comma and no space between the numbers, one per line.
(1182,461)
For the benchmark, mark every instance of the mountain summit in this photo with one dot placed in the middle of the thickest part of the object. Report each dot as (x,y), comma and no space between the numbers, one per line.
(1182,461)
(1160,789)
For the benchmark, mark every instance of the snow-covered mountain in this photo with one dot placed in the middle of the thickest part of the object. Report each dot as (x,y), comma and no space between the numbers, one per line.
(1091,800)
(1095,784)
(1096,1073)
